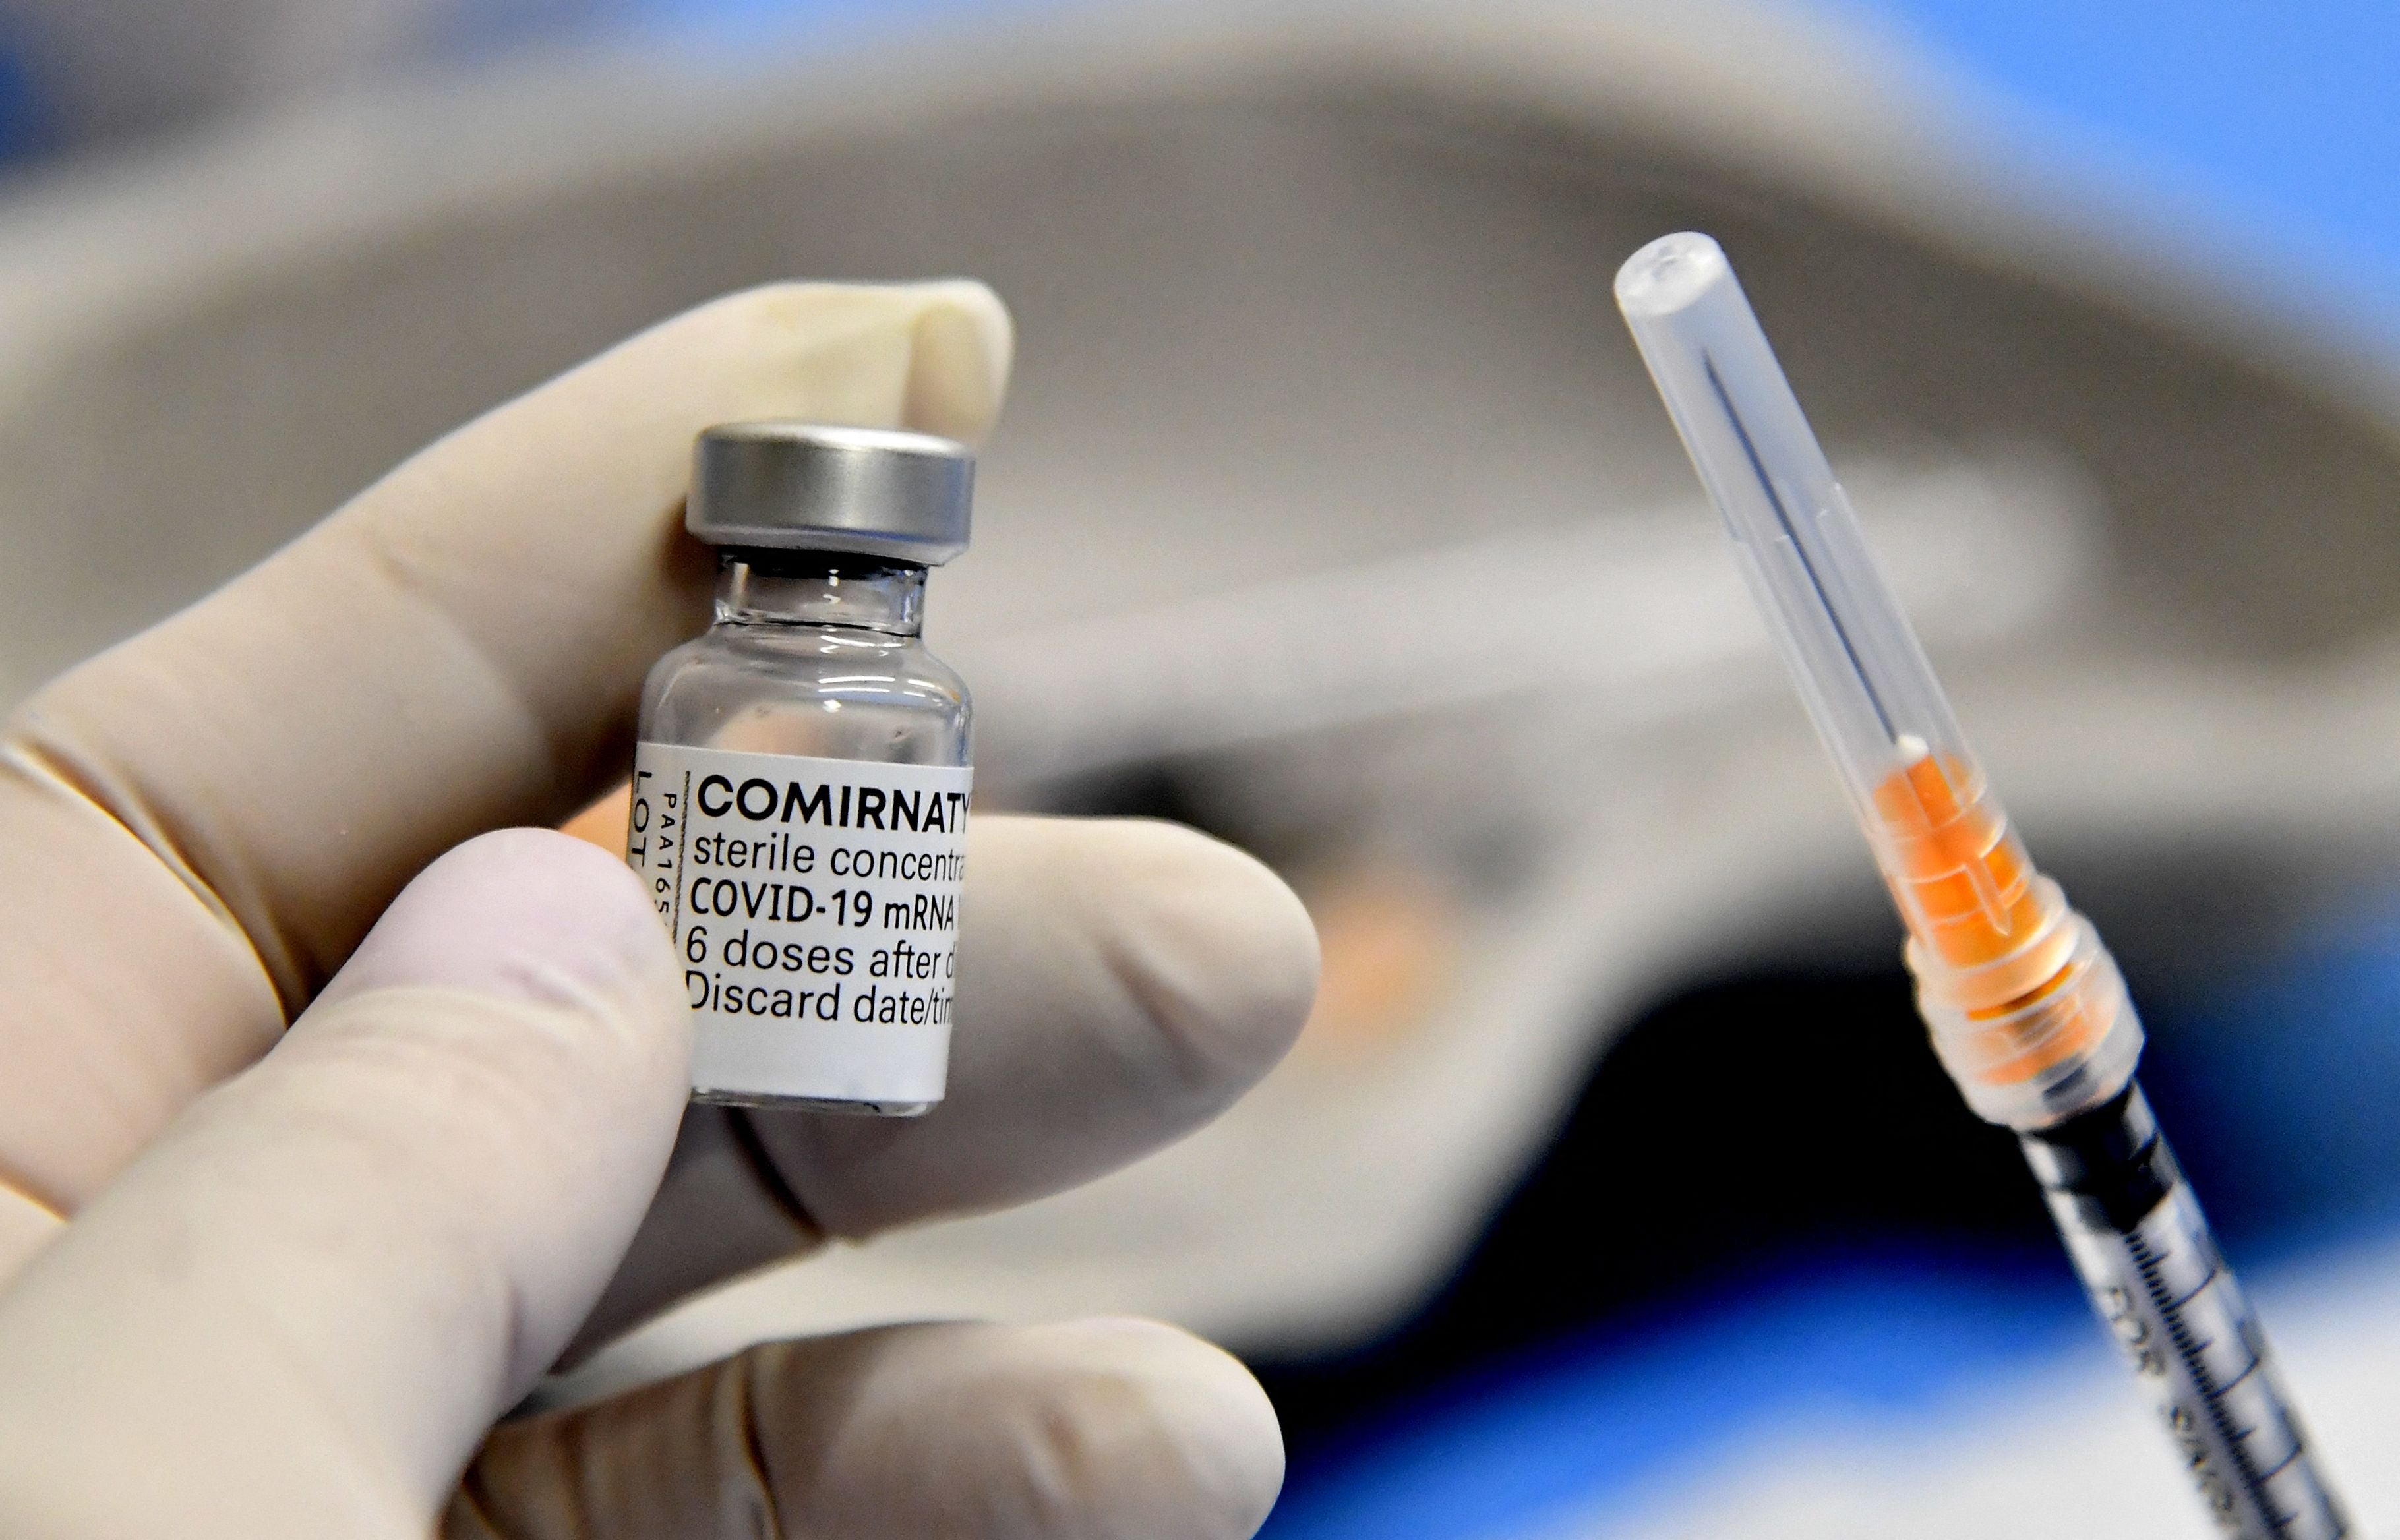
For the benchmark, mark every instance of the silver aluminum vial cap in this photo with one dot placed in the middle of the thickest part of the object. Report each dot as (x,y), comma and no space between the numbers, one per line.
(815,486)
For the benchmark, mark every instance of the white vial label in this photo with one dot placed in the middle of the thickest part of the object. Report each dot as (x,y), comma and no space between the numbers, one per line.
(814,903)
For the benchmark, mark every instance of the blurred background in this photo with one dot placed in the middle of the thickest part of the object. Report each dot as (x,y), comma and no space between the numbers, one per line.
(1612,1190)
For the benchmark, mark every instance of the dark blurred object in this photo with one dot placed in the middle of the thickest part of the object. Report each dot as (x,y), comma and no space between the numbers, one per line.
(79,74)
(1738,1132)
(2280,115)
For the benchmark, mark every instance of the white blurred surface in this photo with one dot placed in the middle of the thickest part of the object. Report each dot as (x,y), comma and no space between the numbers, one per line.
(2068,1451)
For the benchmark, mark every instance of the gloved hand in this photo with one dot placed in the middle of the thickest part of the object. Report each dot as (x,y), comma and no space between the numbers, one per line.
(289,1294)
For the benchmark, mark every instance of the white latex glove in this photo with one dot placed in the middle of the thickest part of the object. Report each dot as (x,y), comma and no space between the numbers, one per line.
(289,1295)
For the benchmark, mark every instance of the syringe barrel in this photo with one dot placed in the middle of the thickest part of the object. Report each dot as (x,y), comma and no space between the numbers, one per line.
(2146,1257)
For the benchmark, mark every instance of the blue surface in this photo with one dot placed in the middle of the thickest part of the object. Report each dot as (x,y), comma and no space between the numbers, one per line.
(2281,113)
(2286,1075)
(742,26)
(1594,1423)
(26,110)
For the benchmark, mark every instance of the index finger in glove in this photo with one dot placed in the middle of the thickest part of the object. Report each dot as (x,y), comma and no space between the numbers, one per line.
(245,787)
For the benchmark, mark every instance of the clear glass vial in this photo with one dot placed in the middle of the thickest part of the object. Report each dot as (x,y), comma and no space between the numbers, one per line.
(824,537)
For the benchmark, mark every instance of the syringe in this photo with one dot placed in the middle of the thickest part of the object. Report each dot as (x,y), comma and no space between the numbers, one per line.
(2024,1004)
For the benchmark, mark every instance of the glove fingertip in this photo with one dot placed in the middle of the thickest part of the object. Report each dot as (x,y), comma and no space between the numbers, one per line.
(1219,1456)
(960,352)
(1218,948)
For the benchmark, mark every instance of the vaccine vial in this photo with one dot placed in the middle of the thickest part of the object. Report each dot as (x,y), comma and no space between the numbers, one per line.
(800,780)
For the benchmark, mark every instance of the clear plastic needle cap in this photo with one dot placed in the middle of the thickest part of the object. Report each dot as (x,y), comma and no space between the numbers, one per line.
(2023,1004)
(1857,662)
